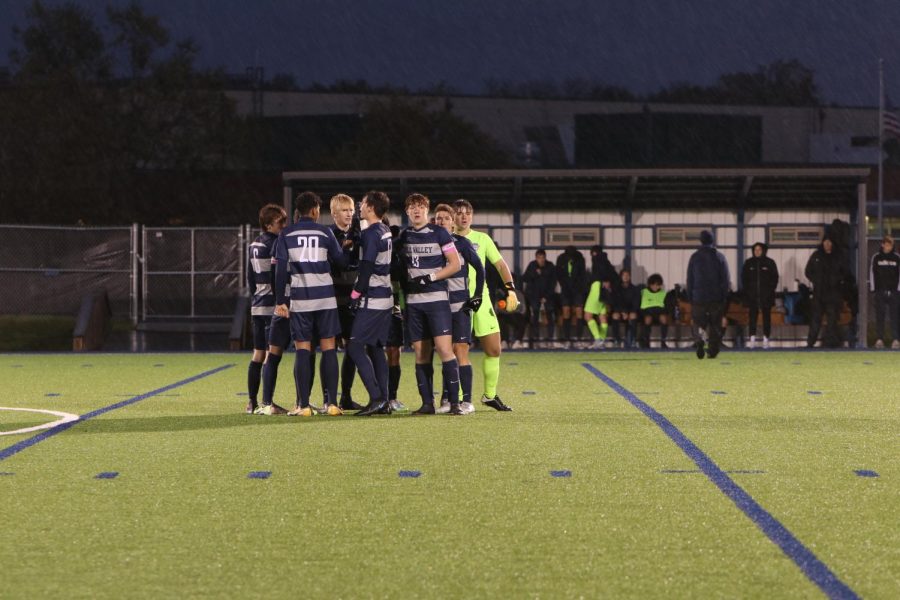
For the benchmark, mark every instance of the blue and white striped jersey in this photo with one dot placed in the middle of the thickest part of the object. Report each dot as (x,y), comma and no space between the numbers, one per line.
(377,247)
(261,275)
(423,253)
(306,251)
(458,284)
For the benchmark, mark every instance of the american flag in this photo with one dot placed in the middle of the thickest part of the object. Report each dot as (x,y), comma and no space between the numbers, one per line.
(891,123)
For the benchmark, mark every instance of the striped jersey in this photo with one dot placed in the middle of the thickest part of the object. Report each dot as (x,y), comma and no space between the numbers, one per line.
(306,252)
(377,247)
(261,275)
(422,251)
(345,278)
(458,284)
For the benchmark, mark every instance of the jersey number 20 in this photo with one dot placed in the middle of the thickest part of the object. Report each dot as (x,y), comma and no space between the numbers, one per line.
(308,247)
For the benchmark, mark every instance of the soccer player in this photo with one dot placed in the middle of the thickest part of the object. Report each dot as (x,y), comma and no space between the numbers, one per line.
(372,302)
(626,302)
(653,310)
(430,257)
(570,270)
(484,320)
(595,308)
(461,305)
(346,231)
(272,220)
(305,252)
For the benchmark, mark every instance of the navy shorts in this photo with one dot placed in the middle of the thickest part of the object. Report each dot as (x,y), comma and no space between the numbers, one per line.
(462,327)
(371,327)
(429,320)
(571,298)
(259,325)
(395,333)
(280,332)
(346,318)
(315,325)
(654,313)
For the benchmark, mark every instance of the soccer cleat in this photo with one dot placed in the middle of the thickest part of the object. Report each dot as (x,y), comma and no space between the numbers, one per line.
(597,345)
(444,408)
(397,406)
(319,410)
(879,344)
(425,409)
(251,408)
(455,410)
(375,407)
(496,403)
(270,410)
(712,351)
(752,343)
(304,411)
(467,408)
(700,351)
(333,411)
(349,404)
(765,343)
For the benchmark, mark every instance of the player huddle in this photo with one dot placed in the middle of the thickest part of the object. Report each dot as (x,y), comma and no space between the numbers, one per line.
(370,288)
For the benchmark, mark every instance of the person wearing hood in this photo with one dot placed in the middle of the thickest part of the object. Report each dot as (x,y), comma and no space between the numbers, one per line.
(759,279)
(826,270)
(601,268)
(707,288)
(884,283)
(570,272)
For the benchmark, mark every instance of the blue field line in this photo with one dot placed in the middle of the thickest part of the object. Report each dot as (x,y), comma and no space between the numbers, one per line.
(47,433)
(814,569)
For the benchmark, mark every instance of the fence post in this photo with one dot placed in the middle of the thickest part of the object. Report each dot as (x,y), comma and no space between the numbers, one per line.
(135,262)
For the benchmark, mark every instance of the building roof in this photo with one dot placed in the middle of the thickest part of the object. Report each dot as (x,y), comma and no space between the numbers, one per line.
(819,187)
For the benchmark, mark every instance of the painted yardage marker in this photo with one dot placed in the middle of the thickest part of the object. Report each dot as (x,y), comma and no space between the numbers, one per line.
(865,473)
(259,474)
(107,475)
(28,443)
(52,394)
(412,474)
(4,473)
(528,393)
(814,392)
(719,393)
(811,566)
(563,473)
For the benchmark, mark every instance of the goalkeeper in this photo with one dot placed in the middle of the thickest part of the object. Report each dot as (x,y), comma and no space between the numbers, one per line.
(484,321)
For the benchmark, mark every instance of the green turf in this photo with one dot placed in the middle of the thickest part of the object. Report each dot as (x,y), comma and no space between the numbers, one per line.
(485,518)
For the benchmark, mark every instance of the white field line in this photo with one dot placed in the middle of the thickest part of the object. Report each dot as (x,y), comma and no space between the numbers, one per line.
(64,417)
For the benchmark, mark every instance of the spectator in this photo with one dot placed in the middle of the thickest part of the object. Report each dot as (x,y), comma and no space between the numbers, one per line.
(540,287)
(707,288)
(601,268)
(653,310)
(570,272)
(759,279)
(625,304)
(884,283)
(826,270)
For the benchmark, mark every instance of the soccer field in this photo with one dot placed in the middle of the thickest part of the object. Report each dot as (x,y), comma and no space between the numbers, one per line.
(617,475)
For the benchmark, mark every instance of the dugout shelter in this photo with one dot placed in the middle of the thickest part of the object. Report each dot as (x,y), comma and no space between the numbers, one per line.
(648,219)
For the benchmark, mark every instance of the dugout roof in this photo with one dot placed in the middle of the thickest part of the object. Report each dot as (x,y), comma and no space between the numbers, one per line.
(820,187)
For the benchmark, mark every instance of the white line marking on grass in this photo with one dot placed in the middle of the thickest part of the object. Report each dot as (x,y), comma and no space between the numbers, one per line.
(64,417)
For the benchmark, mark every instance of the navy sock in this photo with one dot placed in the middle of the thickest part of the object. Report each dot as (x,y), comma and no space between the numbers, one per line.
(254,378)
(663,330)
(329,375)
(357,352)
(379,363)
(312,371)
(302,377)
(579,329)
(393,381)
(566,330)
(269,377)
(465,382)
(450,374)
(348,371)
(424,374)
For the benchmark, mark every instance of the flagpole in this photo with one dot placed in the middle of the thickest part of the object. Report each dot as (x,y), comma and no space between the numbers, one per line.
(880,147)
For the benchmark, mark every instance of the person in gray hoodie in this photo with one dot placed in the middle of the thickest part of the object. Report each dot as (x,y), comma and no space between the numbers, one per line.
(707,288)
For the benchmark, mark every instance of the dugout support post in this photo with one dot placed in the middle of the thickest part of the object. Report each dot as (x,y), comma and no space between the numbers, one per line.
(862,271)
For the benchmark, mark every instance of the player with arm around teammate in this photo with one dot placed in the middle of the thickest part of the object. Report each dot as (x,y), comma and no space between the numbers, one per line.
(305,253)
(484,321)
(430,258)
(461,305)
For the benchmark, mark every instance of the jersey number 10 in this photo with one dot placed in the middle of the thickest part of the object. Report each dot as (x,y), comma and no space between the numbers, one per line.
(308,247)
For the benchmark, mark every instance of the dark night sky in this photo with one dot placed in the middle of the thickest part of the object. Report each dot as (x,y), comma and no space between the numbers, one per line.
(638,44)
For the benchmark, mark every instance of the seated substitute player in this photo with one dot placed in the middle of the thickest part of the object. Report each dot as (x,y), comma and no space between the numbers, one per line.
(304,253)
(626,302)
(430,257)
(484,320)
(653,310)
(461,305)
(272,220)
(372,303)
(596,308)
(346,231)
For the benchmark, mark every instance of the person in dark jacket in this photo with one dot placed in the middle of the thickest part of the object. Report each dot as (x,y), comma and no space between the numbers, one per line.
(624,306)
(570,272)
(707,288)
(826,270)
(540,287)
(601,268)
(759,279)
(884,283)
